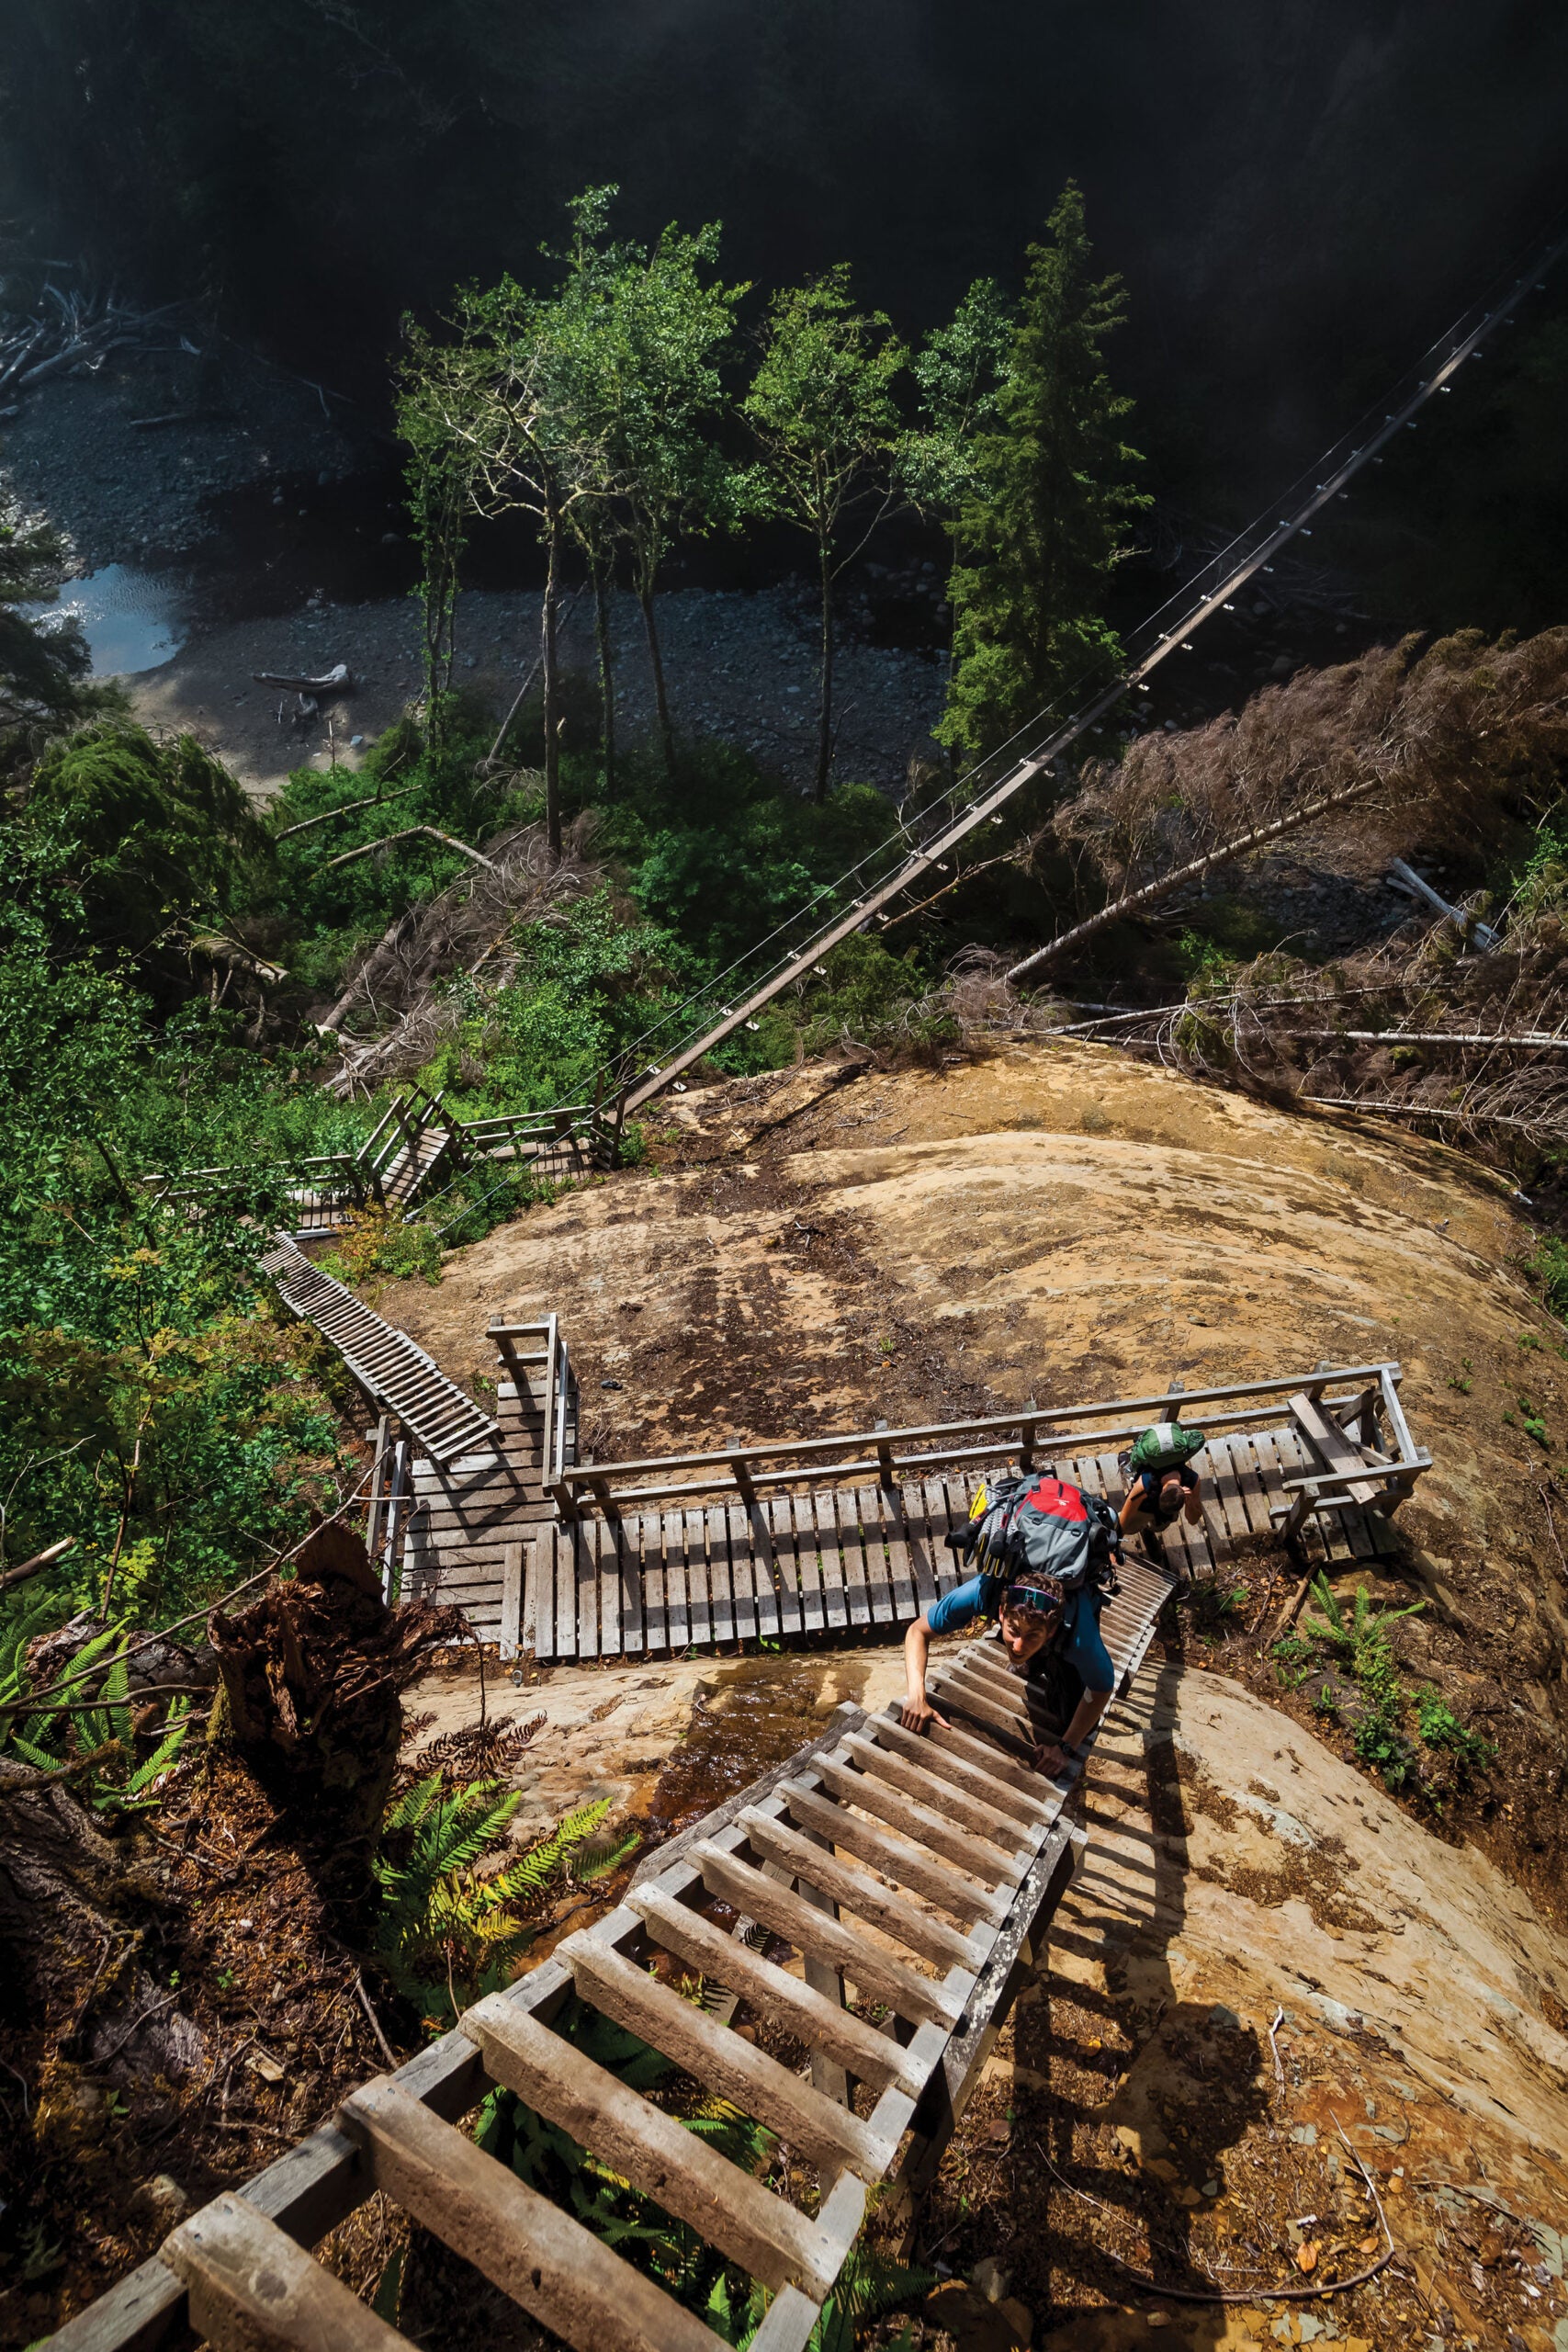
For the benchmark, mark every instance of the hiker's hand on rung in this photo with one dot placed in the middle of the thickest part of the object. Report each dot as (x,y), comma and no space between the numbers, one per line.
(918,1713)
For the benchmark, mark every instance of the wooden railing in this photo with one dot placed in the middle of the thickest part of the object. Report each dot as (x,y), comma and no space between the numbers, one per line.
(557,1402)
(1032,1432)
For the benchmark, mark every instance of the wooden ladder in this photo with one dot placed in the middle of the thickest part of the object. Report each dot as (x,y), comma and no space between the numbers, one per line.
(921,1872)
(389,1367)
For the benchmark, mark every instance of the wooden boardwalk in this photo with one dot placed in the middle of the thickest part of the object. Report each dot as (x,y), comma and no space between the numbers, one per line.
(834,1560)
(850,1559)
(914,1878)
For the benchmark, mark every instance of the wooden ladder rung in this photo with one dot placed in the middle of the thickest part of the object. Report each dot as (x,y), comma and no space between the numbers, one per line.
(873,1794)
(819,1936)
(249,2285)
(1002,1830)
(1030,1812)
(894,1855)
(821,2023)
(559,2272)
(652,2150)
(827,2134)
(887,1909)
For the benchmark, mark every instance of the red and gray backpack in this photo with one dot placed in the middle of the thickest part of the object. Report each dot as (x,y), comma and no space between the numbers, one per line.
(1024,1528)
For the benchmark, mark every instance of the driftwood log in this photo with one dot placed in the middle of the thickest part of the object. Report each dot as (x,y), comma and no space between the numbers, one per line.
(339,680)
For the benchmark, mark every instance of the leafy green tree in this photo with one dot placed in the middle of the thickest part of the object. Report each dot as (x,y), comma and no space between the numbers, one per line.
(506,394)
(439,475)
(1043,522)
(822,409)
(959,369)
(41,670)
(144,836)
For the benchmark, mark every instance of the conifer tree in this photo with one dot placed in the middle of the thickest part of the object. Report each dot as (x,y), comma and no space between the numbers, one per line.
(1043,522)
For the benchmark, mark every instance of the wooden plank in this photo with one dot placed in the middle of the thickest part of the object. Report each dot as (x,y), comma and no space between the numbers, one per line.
(250,2285)
(1002,1830)
(1028,1810)
(774,1993)
(720,1595)
(565,1592)
(815,1934)
(605,1538)
(1220,1458)
(750,1527)
(782,1553)
(540,1610)
(817,1514)
(649,1547)
(851,1553)
(628,1534)
(741,1547)
(511,1601)
(938,1519)
(560,2273)
(887,1908)
(895,1857)
(802,1520)
(1293,1458)
(697,1575)
(918,1536)
(916,1821)
(1249,1484)
(585,1551)
(652,2150)
(672,1544)
(868,1502)
(827,2135)
(976,1744)
(900,1568)
(1337,1450)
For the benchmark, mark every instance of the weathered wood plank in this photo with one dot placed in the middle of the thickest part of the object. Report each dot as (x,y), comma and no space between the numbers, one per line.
(916,1821)
(827,2135)
(585,1546)
(818,1935)
(720,1595)
(540,1610)
(511,1601)
(654,1600)
(1002,1830)
(965,1897)
(673,1543)
(697,1575)
(1027,1810)
(824,1518)
(772,1992)
(888,1908)
(851,1552)
(868,1503)
(559,2272)
(250,2285)
(803,1518)
(750,1530)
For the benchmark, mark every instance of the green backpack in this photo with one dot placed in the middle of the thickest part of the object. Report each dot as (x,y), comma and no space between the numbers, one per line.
(1166,1446)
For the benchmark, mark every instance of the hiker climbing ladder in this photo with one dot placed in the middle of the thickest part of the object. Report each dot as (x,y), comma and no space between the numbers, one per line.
(915,1874)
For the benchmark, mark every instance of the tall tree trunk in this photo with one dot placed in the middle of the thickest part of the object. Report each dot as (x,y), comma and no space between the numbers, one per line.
(825,698)
(606,671)
(550,661)
(656,659)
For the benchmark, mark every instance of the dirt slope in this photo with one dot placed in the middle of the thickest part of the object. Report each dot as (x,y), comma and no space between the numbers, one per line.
(818,1249)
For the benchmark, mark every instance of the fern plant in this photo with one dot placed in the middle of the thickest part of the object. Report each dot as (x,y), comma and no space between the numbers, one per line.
(102,1728)
(450,1931)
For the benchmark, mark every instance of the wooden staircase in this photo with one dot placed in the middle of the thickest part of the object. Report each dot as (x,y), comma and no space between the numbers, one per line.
(914,1877)
(392,1371)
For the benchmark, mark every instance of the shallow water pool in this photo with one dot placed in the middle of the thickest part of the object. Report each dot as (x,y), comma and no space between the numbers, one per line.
(131,620)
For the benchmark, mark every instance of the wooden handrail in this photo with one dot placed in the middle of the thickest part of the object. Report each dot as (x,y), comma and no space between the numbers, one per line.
(1033,1417)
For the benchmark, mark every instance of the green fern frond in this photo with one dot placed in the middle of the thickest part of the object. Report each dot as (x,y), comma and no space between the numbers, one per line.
(587,1868)
(164,1754)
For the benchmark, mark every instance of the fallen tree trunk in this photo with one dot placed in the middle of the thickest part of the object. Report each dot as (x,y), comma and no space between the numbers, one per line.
(1165,885)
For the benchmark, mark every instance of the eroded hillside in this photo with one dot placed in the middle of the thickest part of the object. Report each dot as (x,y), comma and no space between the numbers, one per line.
(823,1247)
